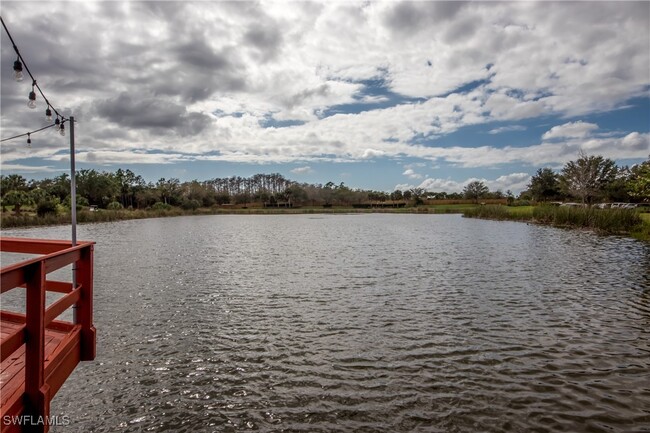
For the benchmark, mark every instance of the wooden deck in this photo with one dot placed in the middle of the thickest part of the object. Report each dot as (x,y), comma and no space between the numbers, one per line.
(38,351)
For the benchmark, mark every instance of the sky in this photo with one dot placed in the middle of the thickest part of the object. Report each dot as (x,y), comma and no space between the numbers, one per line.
(378,95)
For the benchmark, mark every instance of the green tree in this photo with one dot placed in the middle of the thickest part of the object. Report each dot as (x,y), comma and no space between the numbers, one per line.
(417,195)
(98,188)
(80,202)
(343,194)
(129,185)
(638,184)
(295,194)
(58,186)
(397,195)
(475,190)
(13,182)
(199,191)
(243,198)
(327,193)
(38,195)
(169,190)
(377,196)
(544,185)
(146,196)
(224,198)
(17,199)
(498,194)
(616,190)
(588,177)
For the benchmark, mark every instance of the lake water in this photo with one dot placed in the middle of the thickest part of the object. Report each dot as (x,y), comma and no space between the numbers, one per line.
(361,323)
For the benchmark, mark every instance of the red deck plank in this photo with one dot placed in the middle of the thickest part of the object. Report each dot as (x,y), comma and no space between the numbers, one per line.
(61,357)
(10,379)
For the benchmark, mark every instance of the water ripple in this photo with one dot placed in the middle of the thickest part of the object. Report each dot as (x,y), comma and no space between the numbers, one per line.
(374,323)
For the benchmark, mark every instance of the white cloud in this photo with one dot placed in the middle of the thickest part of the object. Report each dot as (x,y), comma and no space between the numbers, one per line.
(108,157)
(577,129)
(515,182)
(21,168)
(371,153)
(411,174)
(507,129)
(204,93)
(302,170)
(636,141)
(443,185)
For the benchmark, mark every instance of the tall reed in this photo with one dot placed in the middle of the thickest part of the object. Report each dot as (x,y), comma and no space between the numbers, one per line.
(610,221)
(494,212)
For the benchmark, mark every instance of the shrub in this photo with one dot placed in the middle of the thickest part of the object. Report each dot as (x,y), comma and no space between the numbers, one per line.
(161,206)
(48,205)
(191,204)
(81,202)
(114,205)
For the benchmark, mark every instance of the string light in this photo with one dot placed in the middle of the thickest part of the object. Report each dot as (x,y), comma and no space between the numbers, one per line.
(32,97)
(19,66)
(27,133)
(32,104)
(18,70)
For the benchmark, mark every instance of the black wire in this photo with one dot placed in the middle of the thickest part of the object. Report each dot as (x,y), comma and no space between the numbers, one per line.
(34,82)
(27,133)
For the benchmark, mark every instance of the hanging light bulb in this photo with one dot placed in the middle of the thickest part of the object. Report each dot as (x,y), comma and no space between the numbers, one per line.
(18,70)
(32,100)
(32,97)
(48,114)
(62,130)
(29,140)
(57,123)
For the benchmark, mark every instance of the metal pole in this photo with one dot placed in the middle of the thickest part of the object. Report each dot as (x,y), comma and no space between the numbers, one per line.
(73,210)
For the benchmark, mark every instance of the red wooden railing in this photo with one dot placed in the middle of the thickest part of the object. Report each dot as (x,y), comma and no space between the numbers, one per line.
(40,383)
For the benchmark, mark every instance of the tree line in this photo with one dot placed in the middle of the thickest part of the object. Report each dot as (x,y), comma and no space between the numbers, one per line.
(588,179)
(126,189)
(591,179)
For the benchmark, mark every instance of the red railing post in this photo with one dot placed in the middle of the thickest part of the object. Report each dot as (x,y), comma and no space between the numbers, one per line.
(85,304)
(36,390)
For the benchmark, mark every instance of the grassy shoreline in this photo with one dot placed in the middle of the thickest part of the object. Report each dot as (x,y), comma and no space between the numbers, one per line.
(29,219)
(626,222)
(609,222)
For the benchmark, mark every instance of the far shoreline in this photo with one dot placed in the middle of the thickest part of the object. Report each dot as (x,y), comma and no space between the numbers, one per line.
(28,219)
(515,214)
